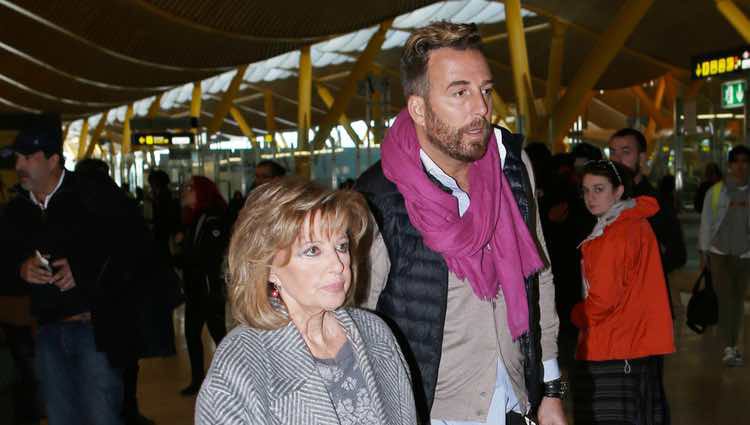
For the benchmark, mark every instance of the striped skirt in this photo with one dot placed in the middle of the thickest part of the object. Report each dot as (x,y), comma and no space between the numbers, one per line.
(620,392)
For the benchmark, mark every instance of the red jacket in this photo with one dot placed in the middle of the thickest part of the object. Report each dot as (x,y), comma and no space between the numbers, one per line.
(626,312)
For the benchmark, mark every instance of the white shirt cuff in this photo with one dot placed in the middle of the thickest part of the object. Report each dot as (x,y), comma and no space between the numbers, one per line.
(551,370)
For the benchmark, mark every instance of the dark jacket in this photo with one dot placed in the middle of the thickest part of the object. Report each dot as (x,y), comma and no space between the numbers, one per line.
(202,256)
(666,227)
(414,300)
(92,224)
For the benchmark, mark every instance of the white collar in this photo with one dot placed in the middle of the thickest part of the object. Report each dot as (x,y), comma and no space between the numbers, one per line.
(49,196)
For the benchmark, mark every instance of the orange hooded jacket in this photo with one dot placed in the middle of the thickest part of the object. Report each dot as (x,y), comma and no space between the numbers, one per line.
(626,312)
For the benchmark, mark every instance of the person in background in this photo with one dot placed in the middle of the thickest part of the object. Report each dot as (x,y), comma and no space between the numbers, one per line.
(624,319)
(724,240)
(628,146)
(301,354)
(267,171)
(84,290)
(235,205)
(711,175)
(202,246)
(165,220)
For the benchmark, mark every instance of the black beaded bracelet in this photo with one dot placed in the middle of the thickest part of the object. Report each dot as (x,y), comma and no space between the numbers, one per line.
(555,389)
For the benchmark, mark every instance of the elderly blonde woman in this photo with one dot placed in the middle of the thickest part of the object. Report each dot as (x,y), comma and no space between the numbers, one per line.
(300,355)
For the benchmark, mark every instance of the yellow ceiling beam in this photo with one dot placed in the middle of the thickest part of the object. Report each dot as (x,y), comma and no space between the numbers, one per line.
(555,64)
(519,60)
(126,131)
(594,65)
(693,88)
(245,128)
(270,111)
(82,139)
(97,134)
(681,73)
(651,109)
(358,72)
(327,98)
(736,17)
(226,102)
(155,106)
(651,127)
(302,164)
(195,101)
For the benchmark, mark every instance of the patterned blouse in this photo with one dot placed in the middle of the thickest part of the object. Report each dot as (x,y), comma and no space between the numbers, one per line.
(346,386)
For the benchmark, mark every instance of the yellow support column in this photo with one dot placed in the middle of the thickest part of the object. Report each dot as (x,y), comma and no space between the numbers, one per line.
(302,161)
(652,110)
(327,98)
(349,89)
(500,109)
(82,139)
(520,64)
(270,120)
(246,130)
(734,15)
(195,101)
(594,65)
(126,132)
(97,134)
(651,127)
(222,108)
(554,67)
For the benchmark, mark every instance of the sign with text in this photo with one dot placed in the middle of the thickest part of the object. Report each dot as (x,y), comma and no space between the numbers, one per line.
(162,139)
(728,62)
(733,94)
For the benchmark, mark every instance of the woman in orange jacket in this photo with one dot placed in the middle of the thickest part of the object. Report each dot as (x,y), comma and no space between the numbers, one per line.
(624,320)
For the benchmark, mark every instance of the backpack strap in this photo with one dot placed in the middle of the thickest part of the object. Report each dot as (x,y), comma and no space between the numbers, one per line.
(715,195)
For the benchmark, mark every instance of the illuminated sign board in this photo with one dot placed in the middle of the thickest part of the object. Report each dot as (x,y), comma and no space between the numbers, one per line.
(162,139)
(733,94)
(728,62)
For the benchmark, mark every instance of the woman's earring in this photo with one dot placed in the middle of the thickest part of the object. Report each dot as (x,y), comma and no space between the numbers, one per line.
(276,291)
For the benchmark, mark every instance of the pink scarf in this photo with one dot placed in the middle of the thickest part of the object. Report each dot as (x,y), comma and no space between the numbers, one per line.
(490,245)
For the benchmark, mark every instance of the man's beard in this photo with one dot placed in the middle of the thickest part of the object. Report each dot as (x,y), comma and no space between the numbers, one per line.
(449,140)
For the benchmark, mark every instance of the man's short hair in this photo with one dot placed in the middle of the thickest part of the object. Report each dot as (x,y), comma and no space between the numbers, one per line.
(437,35)
(737,151)
(637,135)
(277,170)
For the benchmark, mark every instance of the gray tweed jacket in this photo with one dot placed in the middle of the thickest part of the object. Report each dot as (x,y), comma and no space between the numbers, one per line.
(269,377)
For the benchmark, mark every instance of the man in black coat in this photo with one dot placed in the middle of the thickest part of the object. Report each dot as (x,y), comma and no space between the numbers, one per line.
(67,241)
(628,147)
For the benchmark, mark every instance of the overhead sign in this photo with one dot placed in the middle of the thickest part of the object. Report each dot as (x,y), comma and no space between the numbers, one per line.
(723,63)
(733,94)
(162,139)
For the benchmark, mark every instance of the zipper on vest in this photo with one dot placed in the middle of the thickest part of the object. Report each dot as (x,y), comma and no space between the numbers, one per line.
(627,368)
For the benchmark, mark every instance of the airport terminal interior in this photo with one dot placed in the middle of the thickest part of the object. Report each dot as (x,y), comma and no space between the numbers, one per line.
(217,88)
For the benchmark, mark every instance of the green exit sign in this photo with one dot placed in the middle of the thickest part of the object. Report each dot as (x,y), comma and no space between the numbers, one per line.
(733,94)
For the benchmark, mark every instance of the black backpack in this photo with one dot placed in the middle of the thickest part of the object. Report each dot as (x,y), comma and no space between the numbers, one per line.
(703,307)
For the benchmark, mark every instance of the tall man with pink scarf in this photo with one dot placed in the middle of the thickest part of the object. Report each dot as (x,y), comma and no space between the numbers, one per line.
(458,267)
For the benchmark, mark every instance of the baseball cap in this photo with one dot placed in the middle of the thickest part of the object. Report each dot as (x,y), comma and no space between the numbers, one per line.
(44,134)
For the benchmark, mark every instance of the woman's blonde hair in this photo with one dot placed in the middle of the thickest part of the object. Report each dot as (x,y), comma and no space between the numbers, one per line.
(272,219)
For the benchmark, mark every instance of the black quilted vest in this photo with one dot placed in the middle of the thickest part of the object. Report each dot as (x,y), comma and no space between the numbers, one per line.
(415,297)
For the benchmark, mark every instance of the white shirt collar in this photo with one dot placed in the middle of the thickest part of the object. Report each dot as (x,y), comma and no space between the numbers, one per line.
(49,196)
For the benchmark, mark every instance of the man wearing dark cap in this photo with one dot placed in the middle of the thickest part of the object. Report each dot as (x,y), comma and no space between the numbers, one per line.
(54,249)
